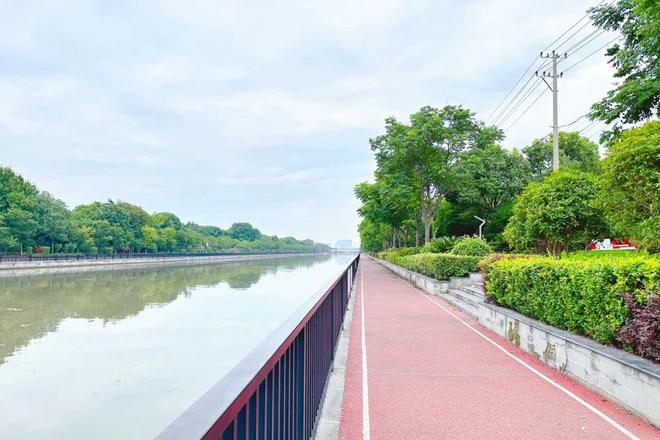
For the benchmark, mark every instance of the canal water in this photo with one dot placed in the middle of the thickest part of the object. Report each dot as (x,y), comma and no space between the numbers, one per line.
(120,354)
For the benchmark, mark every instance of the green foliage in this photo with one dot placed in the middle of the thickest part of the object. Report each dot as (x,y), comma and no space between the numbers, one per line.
(439,266)
(575,151)
(558,214)
(490,176)
(244,231)
(584,296)
(630,185)
(373,235)
(421,157)
(441,244)
(32,220)
(472,246)
(162,220)
(636,61)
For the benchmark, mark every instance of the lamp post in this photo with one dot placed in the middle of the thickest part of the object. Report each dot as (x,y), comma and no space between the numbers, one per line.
(483,222)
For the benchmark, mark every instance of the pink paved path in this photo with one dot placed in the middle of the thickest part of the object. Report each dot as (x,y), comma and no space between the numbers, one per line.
(432,377)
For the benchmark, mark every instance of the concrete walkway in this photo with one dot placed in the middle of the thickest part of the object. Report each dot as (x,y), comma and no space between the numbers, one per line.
(432,372)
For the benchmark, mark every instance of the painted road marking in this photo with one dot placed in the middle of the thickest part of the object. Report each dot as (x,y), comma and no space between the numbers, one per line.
(596,411)
(366,428)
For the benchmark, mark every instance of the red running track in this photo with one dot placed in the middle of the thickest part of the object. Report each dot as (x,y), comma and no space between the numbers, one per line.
(430,376)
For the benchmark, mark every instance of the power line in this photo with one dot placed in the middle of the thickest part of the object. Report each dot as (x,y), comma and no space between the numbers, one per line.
(592,53)
(527,109)
(513,100)
(572,35)
(598,33)
(576,120)
(512,88)
(569,29)
(531,65)
(521,101)
(588,126)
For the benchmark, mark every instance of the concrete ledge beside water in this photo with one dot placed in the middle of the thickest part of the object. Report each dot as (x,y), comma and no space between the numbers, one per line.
(628,380)
(35,267)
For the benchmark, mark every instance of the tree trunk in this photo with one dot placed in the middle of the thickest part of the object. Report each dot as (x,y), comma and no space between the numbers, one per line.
(427,228)
(416,232)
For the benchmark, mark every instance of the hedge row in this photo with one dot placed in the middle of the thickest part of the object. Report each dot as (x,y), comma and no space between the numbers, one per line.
(610,300)
(438,266)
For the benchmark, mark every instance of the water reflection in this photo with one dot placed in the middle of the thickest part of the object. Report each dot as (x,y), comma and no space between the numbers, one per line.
(121,354)
(30,307)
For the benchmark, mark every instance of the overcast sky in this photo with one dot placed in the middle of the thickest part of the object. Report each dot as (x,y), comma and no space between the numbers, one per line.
(258,111)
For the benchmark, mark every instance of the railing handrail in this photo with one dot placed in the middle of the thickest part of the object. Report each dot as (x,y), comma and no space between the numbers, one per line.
(13,258)
(223,401)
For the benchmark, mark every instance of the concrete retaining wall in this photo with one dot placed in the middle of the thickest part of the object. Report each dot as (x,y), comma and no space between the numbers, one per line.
(630,381)
(22,268)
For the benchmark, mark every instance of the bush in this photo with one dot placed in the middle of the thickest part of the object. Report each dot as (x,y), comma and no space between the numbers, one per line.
(473,246)
(558,214)
(440,266)
(391,255)
(441,244)
(585,296)
(641,333)
(630,184)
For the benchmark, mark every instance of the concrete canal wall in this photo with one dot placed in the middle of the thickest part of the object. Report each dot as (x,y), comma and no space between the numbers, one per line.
(23,268)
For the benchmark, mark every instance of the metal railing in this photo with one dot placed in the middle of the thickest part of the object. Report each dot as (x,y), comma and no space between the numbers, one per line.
(132,255)
(276,391)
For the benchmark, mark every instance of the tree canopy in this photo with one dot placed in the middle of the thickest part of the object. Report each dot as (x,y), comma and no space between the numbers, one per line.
(575,151)
(636,61)
(35,221)
(558,214)
(631,185)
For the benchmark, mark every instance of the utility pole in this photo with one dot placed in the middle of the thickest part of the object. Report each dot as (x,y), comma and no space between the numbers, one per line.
(555,104)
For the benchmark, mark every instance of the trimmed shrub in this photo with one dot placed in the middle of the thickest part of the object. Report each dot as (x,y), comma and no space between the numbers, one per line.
(583,296)
(392,255)
(441,244)
(473,246)
(440,266)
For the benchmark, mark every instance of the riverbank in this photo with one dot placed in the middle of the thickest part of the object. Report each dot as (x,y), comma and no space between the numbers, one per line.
(35,267)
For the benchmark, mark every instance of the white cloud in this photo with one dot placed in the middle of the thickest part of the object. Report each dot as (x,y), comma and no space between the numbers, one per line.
(259,111)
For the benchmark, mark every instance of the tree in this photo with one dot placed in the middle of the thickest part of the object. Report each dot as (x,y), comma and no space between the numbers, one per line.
(558,214)
(373,235)
(636,61)
(17,202)
(53,220)
(575,151)
(490,176)
(630,185)
(161,220)
(150,238)
(244,231)
(427,151)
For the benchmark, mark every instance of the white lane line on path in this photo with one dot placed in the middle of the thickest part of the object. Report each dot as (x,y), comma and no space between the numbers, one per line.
(581,401)
(366,428)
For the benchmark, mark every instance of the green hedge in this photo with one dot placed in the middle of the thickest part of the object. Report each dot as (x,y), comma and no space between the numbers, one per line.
(585,296)
(473,246)
(439,266)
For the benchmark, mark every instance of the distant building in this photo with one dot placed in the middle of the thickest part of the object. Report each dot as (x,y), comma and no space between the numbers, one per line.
(344,244)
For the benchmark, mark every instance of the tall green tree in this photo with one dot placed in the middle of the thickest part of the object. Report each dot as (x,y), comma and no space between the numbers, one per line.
(575,151)
(636,62)
(244,231)
(427,151)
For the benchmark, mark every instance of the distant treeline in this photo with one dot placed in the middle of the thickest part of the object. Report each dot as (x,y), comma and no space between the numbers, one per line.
(34,221)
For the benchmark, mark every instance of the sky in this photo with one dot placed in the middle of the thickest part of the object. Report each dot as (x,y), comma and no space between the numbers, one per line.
(257,111)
